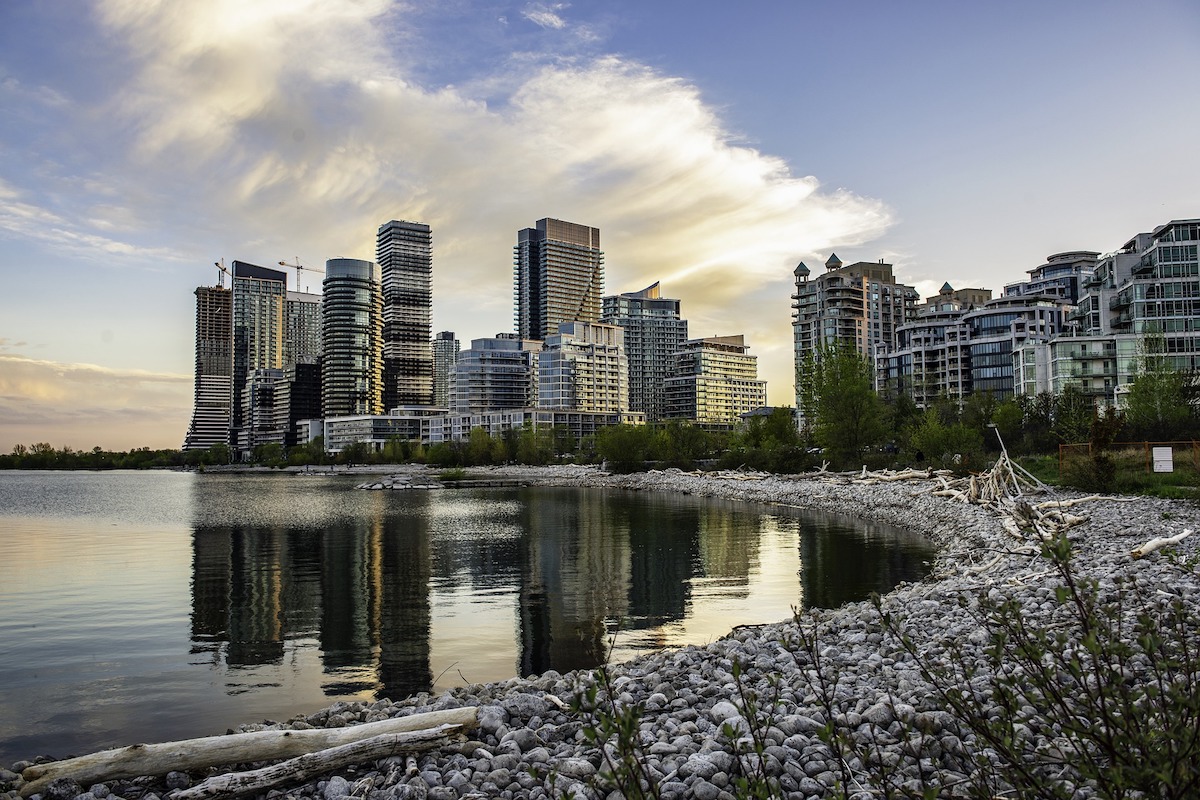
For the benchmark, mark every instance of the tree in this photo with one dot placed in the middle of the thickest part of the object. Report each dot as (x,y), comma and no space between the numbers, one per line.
(1072,415)
(1008,418)
(217,454)
(978,412)
(270,454)
(355,453)
(534,445)
(849,416)
(626,448)
(479,447)
(955,445)
(1161,404)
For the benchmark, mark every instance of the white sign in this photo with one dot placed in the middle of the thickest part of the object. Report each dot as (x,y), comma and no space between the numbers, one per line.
(1163,460)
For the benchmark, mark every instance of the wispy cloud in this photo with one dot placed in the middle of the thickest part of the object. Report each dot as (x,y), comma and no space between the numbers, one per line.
(287,127)
(545,14)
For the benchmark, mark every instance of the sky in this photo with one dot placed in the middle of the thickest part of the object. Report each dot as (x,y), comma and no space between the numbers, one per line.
(714,145)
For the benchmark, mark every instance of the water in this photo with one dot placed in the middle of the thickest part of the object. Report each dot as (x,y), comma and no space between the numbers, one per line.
(149,606)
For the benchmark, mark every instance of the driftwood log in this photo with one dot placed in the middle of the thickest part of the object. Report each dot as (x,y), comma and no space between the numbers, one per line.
(237,748)
(1159,543)
(306,767)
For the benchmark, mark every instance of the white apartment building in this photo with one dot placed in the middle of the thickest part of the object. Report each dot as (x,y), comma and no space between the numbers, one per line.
(583,367)
(714,382)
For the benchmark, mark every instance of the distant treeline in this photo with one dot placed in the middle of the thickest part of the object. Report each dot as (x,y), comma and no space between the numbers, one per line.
(45,456)
(847,425)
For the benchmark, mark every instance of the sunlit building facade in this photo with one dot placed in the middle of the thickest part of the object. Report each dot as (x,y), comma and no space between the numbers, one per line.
(496,374)
(259,298)
(1141,301)
(302,327)
(404,253)
(558,276)
(352,322)
(654,333)
(213,390)
(445,354)
(583,368)
(931,357)
(714,382)
(859,306)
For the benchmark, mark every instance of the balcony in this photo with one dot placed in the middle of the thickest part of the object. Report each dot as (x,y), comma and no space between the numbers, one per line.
(1120,301)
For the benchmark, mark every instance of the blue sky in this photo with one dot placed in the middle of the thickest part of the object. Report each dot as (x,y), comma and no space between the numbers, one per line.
(714,145)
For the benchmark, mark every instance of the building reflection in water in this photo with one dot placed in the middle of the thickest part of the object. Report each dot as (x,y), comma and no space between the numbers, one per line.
(360,588)
(350,594)
(575,575)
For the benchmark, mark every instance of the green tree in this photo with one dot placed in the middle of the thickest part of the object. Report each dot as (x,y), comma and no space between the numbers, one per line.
(269,454)
(534,445)
(848,416)
(355,453)
(1037,418)
(1161,404)
(479,447)
(625,448)
(957,446)
(397,450)
(1072,415)
(1008,418)
(217,454)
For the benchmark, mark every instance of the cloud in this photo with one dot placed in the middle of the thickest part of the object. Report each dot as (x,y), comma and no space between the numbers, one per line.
(82,405)
(545,15)
(284,127)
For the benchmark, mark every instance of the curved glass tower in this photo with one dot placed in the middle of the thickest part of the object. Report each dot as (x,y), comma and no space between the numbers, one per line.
(351,331)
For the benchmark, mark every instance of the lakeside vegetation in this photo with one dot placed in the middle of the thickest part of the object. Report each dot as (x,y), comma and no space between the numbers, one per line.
(847,424)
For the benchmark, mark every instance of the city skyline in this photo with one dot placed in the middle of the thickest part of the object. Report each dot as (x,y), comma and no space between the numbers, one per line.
(962,143)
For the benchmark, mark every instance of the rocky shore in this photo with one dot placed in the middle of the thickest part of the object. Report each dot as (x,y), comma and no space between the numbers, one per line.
(531,744)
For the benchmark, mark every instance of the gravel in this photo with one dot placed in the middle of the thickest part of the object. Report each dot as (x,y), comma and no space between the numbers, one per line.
(529,747)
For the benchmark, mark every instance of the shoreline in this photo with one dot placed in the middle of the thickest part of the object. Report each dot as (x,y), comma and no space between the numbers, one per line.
(689,692)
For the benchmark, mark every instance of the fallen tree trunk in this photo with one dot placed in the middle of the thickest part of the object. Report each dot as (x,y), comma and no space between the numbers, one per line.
(305,767)
(1156,544)
(237,748)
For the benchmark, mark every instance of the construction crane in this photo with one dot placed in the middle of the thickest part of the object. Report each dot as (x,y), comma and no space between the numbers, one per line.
(299,269)
(221,275)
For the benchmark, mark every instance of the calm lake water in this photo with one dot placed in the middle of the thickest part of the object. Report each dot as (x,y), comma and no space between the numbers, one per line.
(148,606)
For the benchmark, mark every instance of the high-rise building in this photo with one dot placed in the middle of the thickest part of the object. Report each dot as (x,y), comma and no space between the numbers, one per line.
(404,252)
(1062,277)
(1000,328)
(558,276)
(583,368)
(1141,302)
(264,420)
(302,327)
(445,353)
(258,331)
(352,322)
(932,357)
(496,374)
(715,382)
(211,411)
(653,334)
(858,306)
(298,397)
